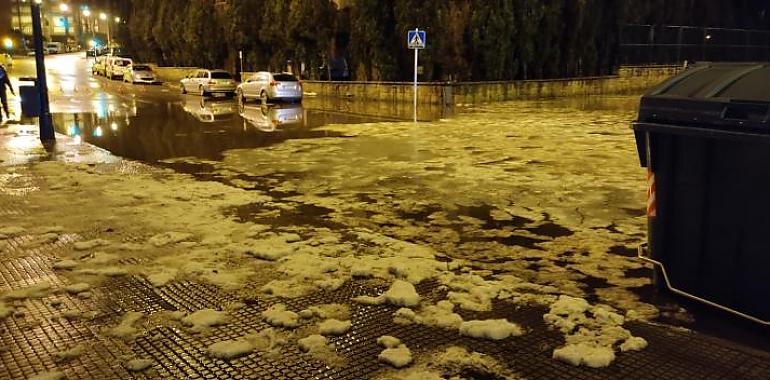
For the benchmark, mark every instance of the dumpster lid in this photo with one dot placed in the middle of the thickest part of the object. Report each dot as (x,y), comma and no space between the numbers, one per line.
(725,81)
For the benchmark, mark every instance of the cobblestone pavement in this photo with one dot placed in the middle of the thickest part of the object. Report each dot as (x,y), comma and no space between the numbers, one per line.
(57,328)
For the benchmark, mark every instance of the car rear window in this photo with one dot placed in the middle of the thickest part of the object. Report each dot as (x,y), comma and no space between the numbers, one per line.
(220,75)
(121,62)
(141,68)
(284,78)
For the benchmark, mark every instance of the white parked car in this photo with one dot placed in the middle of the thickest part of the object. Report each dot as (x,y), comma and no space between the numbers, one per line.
(271,87)
(115,66)
(136,73)
(208,82)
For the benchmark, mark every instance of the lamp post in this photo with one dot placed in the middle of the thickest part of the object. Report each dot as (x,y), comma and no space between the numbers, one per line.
(18,20)
(65,8)
(46,123)
(103,16)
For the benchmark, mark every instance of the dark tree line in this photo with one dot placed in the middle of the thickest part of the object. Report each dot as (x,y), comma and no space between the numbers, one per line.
(469,40)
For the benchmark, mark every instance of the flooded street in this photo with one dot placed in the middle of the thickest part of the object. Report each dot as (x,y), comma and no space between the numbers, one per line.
(335,239)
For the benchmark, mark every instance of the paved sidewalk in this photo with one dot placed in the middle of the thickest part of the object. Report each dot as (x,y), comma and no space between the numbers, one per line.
(60,327)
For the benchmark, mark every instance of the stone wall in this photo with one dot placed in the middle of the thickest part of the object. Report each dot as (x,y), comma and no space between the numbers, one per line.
(172,74)
(629,80)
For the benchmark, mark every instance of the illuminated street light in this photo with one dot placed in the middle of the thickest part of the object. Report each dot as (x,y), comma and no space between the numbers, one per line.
(102,16)
(117,19)
(64,7)
(8,43)
(87,12)
(91,43)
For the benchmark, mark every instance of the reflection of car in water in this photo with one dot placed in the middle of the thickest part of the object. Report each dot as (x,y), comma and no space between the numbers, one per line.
(269,118)
(209,111)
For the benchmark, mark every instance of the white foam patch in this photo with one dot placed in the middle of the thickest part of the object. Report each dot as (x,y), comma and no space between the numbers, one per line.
(230,349)
(314,344)
(78,288)
(65,264)
(388,341)
(278,316)
(138,365)
(91,244)
(169,238)
(495,329)
(334,327)
(50,375)
(126,327)
(398,357)
(205,319)
(400,293)
(35,291)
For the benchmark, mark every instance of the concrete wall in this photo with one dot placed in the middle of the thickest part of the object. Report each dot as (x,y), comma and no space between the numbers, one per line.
(629,80)
(172,74)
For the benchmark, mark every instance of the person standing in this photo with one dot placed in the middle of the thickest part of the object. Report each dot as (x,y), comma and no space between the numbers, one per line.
(5,80)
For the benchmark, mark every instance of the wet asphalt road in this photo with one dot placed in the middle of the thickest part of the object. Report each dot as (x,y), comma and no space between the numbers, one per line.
(155,122)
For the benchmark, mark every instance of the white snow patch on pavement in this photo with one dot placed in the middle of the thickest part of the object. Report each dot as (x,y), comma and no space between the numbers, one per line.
(334,327)
(398,357)
(138,365)
(169,238)
(400,293)
(67,355)
(230,349)
(77,288)
(314,343)
(34,291)
(495,329)
(205,319)
(388,341)
(91,244)
(65,264)
(11,231)
(50,375)
(126,327)
(585,354)
(633,344)
(591,332)
(278,316)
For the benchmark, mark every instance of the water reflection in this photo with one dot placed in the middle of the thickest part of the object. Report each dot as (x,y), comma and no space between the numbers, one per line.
(189,126)
(210,111)
(270,118)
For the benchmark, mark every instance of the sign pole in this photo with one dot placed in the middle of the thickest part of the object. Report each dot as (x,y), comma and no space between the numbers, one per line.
(416,54)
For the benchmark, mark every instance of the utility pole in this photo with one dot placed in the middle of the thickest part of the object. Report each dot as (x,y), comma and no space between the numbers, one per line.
(46,123)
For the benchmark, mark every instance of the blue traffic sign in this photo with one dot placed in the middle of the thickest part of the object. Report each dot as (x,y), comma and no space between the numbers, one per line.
(416,39)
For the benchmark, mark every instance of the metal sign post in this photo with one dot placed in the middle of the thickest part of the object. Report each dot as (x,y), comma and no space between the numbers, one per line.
(46,123)
(415,39)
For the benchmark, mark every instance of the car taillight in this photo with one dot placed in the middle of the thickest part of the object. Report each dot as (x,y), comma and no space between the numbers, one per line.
(273,83)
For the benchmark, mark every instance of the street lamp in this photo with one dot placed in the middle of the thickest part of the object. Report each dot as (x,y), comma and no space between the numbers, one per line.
(102,16)
(8,43)
(117,20)
(87,12)
(64,7)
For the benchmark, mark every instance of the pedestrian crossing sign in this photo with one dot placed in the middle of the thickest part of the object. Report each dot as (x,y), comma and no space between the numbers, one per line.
(416,39)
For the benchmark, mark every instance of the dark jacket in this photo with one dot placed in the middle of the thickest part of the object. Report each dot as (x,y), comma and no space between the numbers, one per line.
(5,80)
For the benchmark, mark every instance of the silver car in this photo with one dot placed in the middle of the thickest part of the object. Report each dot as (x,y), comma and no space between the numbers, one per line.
(271,87)
(210,111)
(208,82)
(139,74)
(270,118)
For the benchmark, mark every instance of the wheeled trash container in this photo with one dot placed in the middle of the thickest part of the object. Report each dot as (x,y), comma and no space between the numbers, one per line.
(704,137)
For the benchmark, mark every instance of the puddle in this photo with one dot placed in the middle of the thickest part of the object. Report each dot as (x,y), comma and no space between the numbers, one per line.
(302,214)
